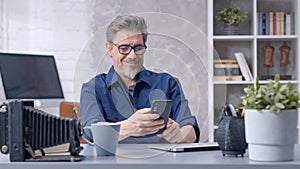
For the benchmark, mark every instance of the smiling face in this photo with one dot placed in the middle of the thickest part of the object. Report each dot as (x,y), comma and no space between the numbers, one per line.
(127,66)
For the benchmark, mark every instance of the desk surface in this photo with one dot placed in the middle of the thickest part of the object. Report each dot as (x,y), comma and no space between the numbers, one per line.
(138,156)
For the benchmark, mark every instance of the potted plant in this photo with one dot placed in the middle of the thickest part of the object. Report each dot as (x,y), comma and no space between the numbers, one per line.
(271,117)
(232,17)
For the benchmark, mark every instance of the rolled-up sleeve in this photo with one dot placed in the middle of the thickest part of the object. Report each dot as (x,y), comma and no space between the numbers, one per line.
(185,118)
(183,115)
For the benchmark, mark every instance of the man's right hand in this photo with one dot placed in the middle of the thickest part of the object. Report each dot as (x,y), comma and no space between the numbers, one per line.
(141,123)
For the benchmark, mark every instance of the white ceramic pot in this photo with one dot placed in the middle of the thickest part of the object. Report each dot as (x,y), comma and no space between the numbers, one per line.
(271,136)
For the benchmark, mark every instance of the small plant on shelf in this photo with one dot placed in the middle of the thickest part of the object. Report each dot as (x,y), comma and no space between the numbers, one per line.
(231,15)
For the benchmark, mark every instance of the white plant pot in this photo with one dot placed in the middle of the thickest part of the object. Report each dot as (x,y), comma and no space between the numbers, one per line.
(271,136)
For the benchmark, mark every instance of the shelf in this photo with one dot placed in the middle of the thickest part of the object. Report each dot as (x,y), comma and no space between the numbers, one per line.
(233,82)
(280,37)
(251,44)
(234,37)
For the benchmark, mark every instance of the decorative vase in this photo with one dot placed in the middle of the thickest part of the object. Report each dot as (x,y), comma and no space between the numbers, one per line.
(271,136)
(231,29)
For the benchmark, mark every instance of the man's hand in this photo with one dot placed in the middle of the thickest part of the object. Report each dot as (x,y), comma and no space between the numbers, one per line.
(174,134)
(141,123)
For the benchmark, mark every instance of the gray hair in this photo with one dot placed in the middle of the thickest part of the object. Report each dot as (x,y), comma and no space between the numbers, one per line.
(129,23)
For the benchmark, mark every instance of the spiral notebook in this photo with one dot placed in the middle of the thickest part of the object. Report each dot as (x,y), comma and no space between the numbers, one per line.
(186,147)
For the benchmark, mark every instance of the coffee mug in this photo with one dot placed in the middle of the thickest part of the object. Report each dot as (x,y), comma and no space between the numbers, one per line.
(105,137)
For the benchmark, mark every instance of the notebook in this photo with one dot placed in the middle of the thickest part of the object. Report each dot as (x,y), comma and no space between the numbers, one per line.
(186,147)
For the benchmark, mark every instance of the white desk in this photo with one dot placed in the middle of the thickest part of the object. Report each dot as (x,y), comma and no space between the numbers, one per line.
(140,157)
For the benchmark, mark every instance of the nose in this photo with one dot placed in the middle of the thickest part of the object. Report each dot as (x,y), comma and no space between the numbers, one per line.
(132,54)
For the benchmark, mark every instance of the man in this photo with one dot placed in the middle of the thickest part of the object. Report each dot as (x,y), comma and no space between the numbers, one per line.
(125,93)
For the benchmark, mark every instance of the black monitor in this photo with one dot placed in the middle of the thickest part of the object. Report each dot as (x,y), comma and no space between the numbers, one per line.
(28,76)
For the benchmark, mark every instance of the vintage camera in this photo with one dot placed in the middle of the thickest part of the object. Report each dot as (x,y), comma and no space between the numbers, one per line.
(25,129)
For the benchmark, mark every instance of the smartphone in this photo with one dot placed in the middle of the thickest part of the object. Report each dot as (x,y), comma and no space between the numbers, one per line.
(163,108)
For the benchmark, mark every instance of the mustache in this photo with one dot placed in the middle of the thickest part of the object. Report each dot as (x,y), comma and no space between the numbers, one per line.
(131,60)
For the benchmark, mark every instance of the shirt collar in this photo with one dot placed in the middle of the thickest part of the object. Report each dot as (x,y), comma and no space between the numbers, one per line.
(143,76)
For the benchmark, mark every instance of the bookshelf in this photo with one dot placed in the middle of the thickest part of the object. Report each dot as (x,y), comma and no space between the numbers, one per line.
(250,41)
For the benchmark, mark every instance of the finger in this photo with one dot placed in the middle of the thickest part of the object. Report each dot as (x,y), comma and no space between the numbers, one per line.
(144,115)
(143,111)
(147,117)
(152,123)
(174,135)
(148,130)
(169,132)
(166,133)
(170,122)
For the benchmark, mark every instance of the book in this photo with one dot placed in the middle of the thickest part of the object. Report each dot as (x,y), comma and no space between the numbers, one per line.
(284,23)
(223,61)
(231,69)
(292,23)
(264,27)
(288,24)
(259,18)
(267,23)
(243,66)
(271,23)
(278,21)
(228,78)
(274,24)
(281,22)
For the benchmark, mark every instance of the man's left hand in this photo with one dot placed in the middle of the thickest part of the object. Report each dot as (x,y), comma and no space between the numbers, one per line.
(174,134)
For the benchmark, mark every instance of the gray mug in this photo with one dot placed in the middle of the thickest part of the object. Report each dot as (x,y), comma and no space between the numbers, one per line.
(105,137)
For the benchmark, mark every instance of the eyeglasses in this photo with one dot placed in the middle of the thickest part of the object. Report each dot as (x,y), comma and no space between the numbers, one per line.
(126,49)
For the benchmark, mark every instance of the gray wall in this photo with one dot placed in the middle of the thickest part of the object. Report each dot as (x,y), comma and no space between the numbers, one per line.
(73,31)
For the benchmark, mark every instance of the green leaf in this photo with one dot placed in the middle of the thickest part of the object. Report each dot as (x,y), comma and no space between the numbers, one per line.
(283,88)
(248,90)
(279,105)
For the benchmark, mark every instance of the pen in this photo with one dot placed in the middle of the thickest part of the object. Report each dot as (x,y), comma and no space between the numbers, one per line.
(243,112)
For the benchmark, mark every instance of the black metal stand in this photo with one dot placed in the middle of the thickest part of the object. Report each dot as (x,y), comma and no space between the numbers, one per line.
(235,153)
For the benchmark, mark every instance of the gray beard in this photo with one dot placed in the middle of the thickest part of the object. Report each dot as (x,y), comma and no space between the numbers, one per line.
(129,74)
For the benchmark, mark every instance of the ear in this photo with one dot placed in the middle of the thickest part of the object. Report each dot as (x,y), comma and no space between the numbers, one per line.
(108,49)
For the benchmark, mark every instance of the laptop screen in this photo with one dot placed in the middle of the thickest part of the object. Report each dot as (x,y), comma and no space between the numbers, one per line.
(26,76)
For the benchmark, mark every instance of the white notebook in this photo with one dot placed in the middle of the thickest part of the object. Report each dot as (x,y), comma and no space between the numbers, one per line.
(186,147)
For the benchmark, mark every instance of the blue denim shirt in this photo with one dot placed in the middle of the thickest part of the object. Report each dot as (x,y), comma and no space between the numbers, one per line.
(106,98)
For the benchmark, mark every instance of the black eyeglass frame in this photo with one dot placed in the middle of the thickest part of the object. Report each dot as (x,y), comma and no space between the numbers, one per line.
(131,47)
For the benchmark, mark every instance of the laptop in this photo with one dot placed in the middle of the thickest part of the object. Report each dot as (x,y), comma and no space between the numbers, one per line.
(186,147)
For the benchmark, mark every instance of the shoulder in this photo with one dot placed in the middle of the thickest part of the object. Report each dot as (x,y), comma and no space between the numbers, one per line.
(162,75)
(98,79)
(89,84)
(157,78)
